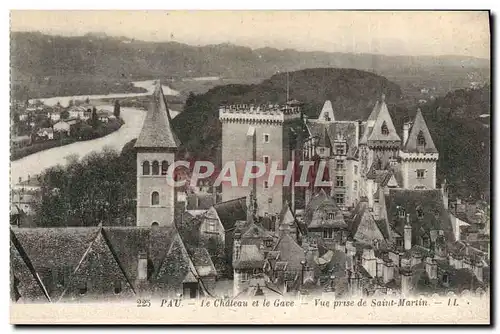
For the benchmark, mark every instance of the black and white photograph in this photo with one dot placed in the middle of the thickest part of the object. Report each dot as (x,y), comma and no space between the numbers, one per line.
(250,167)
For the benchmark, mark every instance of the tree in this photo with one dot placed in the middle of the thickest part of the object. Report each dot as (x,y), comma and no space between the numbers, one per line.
(64,114)
(94,119)
(116,110)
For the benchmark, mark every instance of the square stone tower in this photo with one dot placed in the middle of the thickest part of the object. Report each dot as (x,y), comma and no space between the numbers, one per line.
(259,133)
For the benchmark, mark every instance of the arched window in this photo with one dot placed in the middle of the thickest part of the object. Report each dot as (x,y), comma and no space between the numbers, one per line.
(420,213)
(155,224)
(164,167)
(82,289)
(384,129)
(156,168)
(421,139)
(145,168)
(155,198)
(118,287)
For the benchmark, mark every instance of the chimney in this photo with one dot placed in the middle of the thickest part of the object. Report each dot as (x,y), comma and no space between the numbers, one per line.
(431,268)
(237,245)
(478,271)
(380,267)
(388,271)
(350,249)
(369,190)
(416,259)
(407,233)
(142,266)
(307,196)
(214,194)
(369,262)
(406,275)
(444,193)
(406,131)
(356,141)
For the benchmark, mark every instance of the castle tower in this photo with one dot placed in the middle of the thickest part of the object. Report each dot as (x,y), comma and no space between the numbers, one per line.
(258,133)
(419,157)
(380,141)
(156,148)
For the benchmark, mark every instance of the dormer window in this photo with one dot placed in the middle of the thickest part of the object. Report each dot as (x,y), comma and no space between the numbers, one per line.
(401,212)
(331,215)
(420,139)
(340,149)
(420,213)
(384,129)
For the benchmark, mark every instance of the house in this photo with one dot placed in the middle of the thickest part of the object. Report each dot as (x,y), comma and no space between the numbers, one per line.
(25,202)
(45,133)
(79,264)
(83,112)
(54,116)
(66,126)
(217,226)
(324,220)
(23,116)
(104,116)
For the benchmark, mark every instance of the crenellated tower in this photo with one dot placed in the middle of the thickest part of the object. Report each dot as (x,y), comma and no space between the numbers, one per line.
(258,133)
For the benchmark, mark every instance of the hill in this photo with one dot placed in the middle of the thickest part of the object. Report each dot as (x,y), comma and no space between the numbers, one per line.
(37,58)
(460,134)
(352,93)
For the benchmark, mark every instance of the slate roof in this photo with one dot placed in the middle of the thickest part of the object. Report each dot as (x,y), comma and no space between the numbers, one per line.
(286,217)
(231,211)
(372,132)
(157,131)
(458,280)
(313,204)
(431,203)
(290,252)
(202,261)
(128,242)
(259,287)
(250,258)
(327,134)
(108,251)
(200,201)
(418,126)
(358,212)
(327,107)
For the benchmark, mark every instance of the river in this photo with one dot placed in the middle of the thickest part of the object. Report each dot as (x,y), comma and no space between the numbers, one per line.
(149,85)
(35,163)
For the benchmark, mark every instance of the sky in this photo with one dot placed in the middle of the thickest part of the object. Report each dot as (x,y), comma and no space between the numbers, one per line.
(391,33)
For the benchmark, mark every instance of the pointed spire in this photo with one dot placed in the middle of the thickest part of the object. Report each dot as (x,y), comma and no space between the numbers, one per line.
(383,120)
(419,134)
(327,110)
(157,131)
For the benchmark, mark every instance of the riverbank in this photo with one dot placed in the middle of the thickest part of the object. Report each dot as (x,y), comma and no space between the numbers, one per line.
(104,130)
(72,86)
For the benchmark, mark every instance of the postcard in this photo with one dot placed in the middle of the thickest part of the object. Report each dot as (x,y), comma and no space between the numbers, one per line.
(250,167)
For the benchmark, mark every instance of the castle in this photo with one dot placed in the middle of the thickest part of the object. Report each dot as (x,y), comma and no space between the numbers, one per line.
(382,220)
